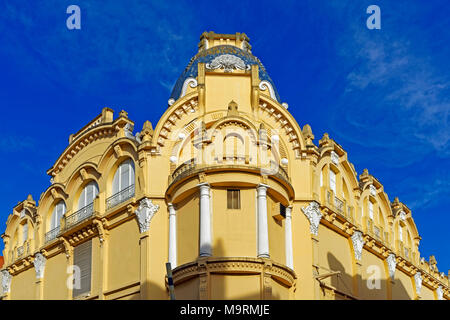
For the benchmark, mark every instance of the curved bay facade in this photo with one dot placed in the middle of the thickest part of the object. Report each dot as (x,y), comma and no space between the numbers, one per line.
(229,189)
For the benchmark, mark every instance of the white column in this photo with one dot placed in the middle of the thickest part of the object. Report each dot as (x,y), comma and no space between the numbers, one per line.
(205,220)
(288,238)
(263,234)
(172,236)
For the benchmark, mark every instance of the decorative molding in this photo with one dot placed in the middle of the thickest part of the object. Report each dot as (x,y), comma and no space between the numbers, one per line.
(440,293)
(392,263)
(145,213)
(228,62)
(192,82)
(39,265)
(358,244)
(6,281)
(266,85)
(418,281)
(334,158)
(314,215)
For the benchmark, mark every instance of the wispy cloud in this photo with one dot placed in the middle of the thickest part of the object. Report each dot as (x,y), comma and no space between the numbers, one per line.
(11,143)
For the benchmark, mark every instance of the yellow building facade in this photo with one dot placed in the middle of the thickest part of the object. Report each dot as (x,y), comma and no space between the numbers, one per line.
(229,189)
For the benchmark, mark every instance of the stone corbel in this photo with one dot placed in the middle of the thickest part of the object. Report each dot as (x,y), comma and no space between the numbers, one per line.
(83,174)
(145,213)
(66,247)
(102,232)
(312,212)
(54,193)
(118,151)
(39,265)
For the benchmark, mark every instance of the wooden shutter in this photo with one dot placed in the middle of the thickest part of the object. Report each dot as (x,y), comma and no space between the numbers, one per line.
(82,257)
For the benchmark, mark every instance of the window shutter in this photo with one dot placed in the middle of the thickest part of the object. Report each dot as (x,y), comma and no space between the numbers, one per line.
(83,259)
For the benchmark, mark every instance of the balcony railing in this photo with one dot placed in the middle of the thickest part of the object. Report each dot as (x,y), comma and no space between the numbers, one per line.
(79,216)
(52,234)
(20,251)
(191,166)
(120,197)
(339,204)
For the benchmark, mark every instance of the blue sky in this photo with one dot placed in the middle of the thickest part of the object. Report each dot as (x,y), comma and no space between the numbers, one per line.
(382,94)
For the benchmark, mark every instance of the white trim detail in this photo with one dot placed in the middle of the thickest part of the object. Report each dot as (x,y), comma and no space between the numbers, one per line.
(6,281)
(392,264)
(266,85)
(288,238)
(192,82)
(39,265)
(358,244)
(312,212)
(418,282)
(145,213)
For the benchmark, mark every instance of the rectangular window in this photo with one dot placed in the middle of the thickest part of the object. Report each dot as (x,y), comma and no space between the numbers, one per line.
(333,181)
(233,199)
(282,211)
(400,233)
(82,258)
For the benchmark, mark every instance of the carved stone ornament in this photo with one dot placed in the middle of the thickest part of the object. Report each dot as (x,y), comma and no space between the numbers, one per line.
(314,215)
(227,62)
(373,190)
(145,213)
(418,281)
(358,243)
(392,263)
(265,85)
(6,281)
(440,293)
(39,265)
(334,158)
(191,82)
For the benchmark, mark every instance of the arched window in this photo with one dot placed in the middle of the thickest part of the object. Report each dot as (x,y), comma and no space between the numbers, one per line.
(57,214)
(123,184)
(124,176)
(55,221)
(88,195)
(333,181)
(25,232)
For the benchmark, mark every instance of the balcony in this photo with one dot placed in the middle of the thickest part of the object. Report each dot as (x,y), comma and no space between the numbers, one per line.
(339,205)
(52,234)
(120,197)
(79,216)
(191,167)
(20,251)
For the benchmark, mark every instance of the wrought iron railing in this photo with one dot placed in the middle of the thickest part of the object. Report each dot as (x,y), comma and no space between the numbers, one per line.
(52,234)
(79,216)
(20,251)
(190,166)
(339,204)
(120,197)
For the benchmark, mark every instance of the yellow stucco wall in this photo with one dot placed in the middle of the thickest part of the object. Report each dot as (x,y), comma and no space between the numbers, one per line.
(130,238)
